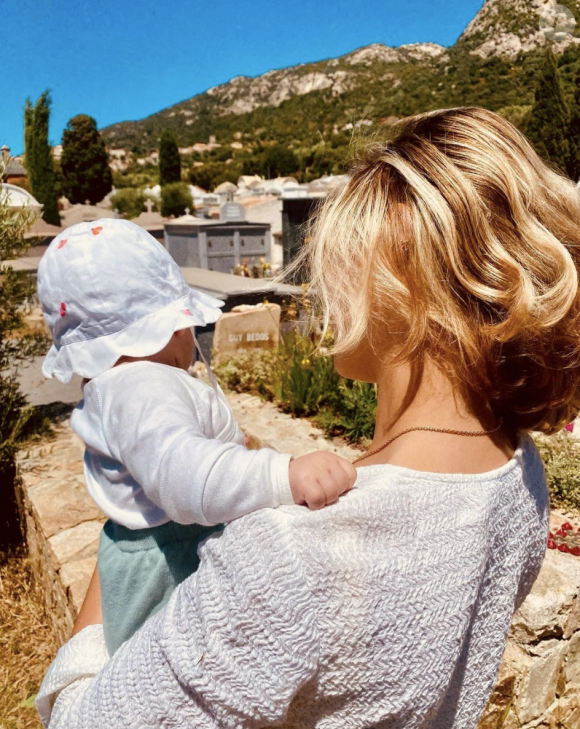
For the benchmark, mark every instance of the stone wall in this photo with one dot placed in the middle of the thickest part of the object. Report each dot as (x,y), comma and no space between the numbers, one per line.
(62,524)
(538,684)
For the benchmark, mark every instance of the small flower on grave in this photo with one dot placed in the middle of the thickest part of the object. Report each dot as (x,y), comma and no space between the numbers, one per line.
(565,540)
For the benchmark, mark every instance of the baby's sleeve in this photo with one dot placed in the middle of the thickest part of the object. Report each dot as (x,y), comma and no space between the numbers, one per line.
(156,427)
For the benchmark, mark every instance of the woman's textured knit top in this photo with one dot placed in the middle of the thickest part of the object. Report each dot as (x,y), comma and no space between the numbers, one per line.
(388,609)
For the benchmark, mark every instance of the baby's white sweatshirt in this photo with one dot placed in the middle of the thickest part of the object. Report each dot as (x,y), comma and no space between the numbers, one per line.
(163,446)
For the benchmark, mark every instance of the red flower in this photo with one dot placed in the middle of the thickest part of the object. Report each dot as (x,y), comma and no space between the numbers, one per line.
(563,548)
(561,532)
(552,544)
(567,526)
(550,535)
(575,551)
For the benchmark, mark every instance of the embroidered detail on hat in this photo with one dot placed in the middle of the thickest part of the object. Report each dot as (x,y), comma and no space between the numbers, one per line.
(63,243)
(96,231)
(187,312)
(62,309)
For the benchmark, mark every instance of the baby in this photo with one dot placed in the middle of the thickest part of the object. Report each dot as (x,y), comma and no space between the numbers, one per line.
(165,459)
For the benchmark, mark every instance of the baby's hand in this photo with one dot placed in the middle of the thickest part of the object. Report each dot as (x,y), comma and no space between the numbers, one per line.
(319,478)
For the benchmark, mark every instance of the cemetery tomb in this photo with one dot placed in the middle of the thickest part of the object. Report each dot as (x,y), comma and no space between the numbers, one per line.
(247,327)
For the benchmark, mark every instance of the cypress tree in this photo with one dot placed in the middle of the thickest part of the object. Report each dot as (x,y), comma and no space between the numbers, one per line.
(574,133)
(169,159)
(84,163)
(38,157)
(547,126)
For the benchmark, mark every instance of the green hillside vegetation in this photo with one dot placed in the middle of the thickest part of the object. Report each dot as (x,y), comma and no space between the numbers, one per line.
(318,128)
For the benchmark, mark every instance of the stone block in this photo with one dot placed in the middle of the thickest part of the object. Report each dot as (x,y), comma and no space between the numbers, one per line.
(569,711)
(255,327)
(62,502)
(539,688)
(503,696)
(76,576)
(572,669)
(79,542)
(546,611)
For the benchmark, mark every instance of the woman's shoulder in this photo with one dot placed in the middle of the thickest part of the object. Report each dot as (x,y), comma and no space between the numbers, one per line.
(525,466)
(393,513)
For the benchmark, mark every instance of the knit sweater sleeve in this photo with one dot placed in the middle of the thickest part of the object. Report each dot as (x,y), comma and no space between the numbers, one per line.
(231,649)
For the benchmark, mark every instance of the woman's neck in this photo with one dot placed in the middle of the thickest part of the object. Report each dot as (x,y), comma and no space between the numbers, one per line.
(409,399)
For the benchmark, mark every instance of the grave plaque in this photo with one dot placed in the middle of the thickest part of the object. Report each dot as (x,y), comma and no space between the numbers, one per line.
(256,327)
(232,212)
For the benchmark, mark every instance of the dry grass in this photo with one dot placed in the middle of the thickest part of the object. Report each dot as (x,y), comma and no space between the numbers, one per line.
(26,644)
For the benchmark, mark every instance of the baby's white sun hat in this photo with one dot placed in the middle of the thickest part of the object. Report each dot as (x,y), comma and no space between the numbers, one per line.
(109,289)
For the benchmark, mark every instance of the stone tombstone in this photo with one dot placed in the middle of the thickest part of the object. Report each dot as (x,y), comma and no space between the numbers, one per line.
(247,327)
(232,212)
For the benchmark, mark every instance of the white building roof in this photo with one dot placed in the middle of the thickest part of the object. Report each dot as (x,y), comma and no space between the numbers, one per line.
(327,183)
(17,197)
(196,192)
(154,191)
(226,187)
(224,285)
(84,214)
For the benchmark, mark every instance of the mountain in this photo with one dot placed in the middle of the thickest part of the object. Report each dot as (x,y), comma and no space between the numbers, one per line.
(508,28)
(492,64)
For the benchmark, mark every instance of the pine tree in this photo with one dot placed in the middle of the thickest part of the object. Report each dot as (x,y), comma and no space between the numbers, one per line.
(574,133)
(547,126)
(169,159)
(84,162)
(38,157)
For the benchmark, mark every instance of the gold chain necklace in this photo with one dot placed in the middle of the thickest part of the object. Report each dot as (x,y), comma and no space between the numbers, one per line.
(470,433)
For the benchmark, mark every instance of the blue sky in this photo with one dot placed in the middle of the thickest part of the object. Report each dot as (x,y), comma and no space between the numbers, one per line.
(118,60)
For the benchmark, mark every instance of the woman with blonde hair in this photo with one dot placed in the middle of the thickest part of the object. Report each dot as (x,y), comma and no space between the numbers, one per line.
(447,269)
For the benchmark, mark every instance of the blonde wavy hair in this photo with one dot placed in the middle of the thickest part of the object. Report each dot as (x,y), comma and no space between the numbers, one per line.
(454,242)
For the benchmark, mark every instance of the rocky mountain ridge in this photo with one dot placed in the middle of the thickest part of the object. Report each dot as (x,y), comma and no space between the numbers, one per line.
(299,103)
(507,28)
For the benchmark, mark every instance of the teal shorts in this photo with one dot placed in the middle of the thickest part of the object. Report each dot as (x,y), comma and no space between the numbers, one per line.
(139,569)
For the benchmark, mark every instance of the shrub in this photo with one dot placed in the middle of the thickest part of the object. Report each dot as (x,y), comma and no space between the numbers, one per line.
(561,456)
(175,199)
(129,201)
(246,371)
(16,345)
(352,411)
(303,383)
(212,174)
